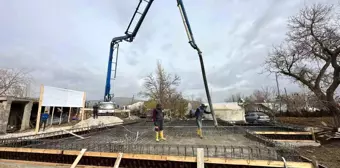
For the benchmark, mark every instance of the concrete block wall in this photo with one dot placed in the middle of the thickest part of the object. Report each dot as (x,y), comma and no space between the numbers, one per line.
(5,107)
(25,122)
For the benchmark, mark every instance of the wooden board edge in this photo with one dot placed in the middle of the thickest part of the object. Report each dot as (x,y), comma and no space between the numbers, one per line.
(281,133)
(245,162)
(46,163)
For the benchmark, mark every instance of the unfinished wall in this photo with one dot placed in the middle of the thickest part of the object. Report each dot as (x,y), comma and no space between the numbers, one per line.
(5,107)
(25,123)
(34,112)
(16,115)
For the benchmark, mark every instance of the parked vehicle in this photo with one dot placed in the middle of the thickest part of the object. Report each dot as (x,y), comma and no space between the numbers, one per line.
(106,108)
(257,117)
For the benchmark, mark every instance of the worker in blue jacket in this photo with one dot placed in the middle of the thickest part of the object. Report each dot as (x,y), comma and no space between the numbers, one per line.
(44,118)
(199,116)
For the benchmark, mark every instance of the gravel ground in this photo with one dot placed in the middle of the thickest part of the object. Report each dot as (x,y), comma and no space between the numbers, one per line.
(329,154)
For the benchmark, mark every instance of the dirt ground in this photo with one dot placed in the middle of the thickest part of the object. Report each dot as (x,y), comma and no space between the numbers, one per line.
(326,154)
(304,121)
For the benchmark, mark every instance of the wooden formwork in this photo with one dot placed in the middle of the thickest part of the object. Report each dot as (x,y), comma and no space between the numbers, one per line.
(149,157)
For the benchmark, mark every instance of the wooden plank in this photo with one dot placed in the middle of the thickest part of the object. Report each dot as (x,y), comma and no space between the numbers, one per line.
(71,152)
(294,140)
(36,150)
(53,151)
(34,164)
(82,109)
(27,150)
(119,158)
(69,114)
(259,163)
(200,158)
(6,149)
(37,125)
(75,163)
(61,115)
(228,161)
(313,134)
(282,133)
(73,134)
(52,115)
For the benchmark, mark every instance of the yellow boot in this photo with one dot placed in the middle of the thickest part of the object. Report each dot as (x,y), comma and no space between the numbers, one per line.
(162,135)
(157,135)
(201,133)
(198,131)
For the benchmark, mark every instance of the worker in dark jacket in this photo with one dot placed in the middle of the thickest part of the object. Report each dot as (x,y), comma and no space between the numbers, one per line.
(95,111)
(44,118)
(158,119)
(199,116)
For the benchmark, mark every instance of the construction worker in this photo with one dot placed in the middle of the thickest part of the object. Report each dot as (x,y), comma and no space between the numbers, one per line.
(158,119)
(44,118)
(95,110)
(199,116)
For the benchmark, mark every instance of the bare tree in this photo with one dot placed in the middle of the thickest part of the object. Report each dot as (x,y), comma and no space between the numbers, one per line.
(14,82)
(310,53)
(234,97)
(161,86)
(296,102)
(265,94)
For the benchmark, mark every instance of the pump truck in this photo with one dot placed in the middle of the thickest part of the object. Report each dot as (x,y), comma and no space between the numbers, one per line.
(106,106)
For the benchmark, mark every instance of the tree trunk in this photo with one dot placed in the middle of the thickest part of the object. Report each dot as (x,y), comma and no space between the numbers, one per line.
(335,110)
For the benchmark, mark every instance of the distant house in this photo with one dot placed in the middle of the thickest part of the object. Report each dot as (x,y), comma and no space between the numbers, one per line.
(268,108)
(230,111)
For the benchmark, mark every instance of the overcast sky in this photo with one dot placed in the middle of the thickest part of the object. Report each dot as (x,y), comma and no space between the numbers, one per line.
(65,43)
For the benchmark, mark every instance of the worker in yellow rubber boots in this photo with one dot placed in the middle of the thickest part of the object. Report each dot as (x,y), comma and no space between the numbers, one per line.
(158,119)
(199,117)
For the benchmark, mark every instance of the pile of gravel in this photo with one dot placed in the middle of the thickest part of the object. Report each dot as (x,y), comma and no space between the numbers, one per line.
(101,120)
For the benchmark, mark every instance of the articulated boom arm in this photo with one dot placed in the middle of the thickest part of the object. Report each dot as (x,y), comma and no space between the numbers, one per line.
(193,45)
(129,36)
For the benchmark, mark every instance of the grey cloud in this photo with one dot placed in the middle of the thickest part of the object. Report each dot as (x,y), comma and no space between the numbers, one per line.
(71,48)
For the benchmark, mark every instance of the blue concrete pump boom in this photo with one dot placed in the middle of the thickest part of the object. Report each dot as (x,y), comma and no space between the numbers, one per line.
(130,36)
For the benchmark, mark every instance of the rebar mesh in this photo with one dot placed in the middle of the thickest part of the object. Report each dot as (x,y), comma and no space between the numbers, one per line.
(224,142)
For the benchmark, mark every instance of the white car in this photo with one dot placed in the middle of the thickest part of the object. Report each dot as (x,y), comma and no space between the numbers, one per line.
(257,117)
(106,108)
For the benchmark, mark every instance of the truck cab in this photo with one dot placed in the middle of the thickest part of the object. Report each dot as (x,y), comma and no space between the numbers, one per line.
(106,108)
